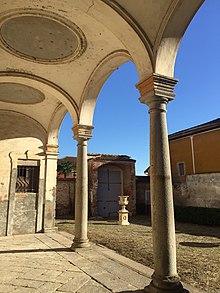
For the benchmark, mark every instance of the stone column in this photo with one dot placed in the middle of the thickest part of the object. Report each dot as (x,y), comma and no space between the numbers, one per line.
(82,133)
(156,91)
(50,188)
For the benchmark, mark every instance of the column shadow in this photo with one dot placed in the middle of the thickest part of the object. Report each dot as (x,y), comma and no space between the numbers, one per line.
(131,291)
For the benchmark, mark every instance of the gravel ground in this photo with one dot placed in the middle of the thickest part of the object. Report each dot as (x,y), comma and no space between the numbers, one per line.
(198,247)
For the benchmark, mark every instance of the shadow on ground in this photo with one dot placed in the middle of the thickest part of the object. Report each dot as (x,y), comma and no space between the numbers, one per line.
(200,244)
(136,291)
(36,250)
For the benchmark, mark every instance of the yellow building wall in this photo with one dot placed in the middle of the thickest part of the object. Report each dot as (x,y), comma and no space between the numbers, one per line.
(206,154)
(207,151)
(180,151)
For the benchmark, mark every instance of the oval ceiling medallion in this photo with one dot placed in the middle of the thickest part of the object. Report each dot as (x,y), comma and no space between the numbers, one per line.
(41,38)
(19,94)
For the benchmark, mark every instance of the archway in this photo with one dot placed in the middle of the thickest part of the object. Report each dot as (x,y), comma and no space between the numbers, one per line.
(149,33)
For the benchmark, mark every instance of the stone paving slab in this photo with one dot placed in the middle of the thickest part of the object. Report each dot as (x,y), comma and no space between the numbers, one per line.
(44,263)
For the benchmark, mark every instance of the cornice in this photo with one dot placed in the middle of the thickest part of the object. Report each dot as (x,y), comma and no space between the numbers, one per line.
(202,128)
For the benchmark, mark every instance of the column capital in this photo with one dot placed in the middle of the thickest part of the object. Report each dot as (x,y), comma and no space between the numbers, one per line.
(156,87)
(52,150)
(82,131)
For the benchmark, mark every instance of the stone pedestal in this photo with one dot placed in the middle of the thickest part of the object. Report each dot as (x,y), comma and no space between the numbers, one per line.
(156,92)
(123,213)
(82,133)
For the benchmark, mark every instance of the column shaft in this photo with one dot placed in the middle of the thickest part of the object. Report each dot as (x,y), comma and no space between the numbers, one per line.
(163,227)
(156,92)
(162,196)
(82,133)
(81,200)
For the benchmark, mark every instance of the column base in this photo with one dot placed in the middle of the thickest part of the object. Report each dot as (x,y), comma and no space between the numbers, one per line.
(50,230)
(165,286)
(80,243)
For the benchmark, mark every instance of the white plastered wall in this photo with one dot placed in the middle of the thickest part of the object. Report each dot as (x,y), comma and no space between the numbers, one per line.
(21,138)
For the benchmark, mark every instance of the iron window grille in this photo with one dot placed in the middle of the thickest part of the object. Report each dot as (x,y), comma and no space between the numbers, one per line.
(27,179)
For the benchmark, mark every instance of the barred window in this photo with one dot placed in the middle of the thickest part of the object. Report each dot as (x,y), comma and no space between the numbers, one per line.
(27,179)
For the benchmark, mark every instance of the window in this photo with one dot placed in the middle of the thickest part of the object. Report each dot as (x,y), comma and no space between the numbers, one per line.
(181,169)
(27,179)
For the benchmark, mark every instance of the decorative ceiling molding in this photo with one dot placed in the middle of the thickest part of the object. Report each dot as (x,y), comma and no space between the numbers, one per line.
(51,39)
(16,93)
(15,74)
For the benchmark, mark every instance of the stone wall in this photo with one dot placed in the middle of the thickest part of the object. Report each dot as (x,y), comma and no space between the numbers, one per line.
(65,198)
(199,190)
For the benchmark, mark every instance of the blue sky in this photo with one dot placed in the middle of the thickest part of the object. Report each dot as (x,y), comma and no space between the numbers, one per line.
(122,123)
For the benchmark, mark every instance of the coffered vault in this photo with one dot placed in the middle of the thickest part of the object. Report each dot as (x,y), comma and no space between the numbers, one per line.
(55,57)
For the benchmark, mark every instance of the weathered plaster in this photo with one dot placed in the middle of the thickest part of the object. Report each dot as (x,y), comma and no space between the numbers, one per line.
(3,217)
(199,190)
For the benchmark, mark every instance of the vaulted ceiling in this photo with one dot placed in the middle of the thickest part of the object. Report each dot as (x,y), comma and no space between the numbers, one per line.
(57,54)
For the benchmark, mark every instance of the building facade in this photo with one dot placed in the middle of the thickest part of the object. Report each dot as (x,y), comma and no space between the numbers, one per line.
(195,164)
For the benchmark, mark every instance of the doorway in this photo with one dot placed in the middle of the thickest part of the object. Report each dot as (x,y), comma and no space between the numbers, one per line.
(109,188)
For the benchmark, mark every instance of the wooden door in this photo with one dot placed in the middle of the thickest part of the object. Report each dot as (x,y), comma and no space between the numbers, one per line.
(109,188)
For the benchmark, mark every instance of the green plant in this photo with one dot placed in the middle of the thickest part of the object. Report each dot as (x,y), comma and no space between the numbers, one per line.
(65,168)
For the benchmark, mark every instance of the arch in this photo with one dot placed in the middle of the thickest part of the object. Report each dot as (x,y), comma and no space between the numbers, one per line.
(170,34)
(54,125)
(97,79)
(133,38)
(44,86)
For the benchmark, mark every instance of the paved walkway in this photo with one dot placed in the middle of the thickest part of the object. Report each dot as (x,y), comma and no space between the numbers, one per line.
(44,263)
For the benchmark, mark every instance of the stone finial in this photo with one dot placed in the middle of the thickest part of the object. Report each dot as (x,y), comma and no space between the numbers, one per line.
(156,85)
(82,131)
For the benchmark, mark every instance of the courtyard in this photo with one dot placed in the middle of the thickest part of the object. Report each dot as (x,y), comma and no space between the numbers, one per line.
(198,247)
(56,57)
(38,263)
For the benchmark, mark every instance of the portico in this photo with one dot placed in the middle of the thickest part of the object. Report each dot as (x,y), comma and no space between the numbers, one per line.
(55,58)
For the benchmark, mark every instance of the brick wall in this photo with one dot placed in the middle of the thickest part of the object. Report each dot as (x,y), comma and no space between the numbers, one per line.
(65,199)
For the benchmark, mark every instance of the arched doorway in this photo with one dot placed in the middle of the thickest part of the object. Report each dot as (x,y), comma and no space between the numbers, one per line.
(109,188)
